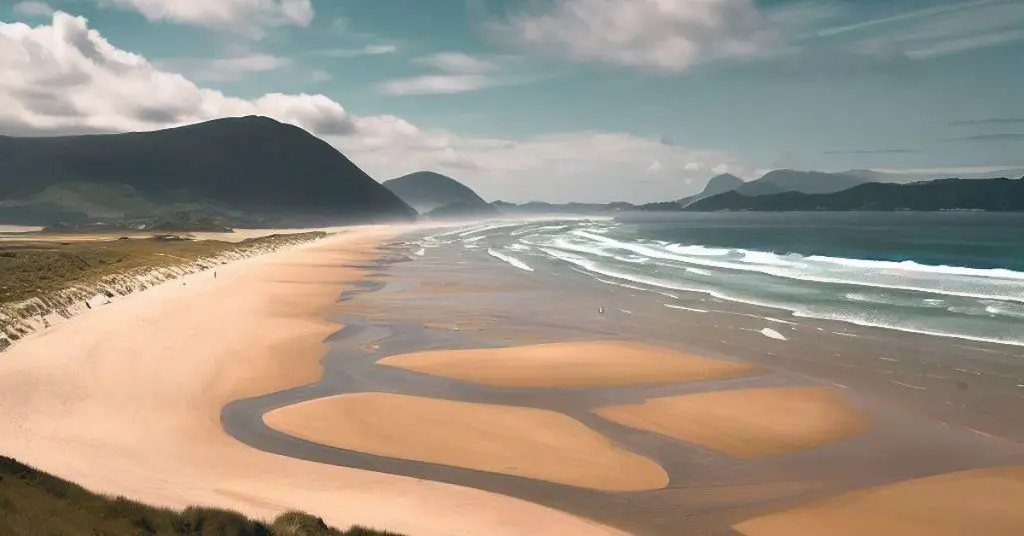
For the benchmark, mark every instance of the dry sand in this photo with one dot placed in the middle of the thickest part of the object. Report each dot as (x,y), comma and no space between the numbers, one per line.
(568,364)
(986,502)
(747,423)
(126,399)
(532,443)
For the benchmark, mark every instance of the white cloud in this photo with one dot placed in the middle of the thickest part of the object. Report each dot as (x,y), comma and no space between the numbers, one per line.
(249,17)
(460,73)
(656,167)
(663,35)
(64,77)
(435,84)
(368,50)
(693,166)
(229,68)
(936,31)
(458,62)
(33,9)
(319,76)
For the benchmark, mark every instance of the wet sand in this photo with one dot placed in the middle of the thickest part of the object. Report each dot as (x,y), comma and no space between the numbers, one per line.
(942,424)
(747,423)
(127,399)
(958,504)
(526,442)
(568,364)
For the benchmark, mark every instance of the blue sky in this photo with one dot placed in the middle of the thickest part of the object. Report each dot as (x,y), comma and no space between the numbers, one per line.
(550,99)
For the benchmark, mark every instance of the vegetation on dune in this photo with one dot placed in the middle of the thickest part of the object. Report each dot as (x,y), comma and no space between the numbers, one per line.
(40,280)
(29,269)
(34,503)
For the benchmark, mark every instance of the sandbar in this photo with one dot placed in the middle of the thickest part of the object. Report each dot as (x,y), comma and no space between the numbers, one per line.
(986,501)
(532,443)
(568,364)
(126,400)
(746,423)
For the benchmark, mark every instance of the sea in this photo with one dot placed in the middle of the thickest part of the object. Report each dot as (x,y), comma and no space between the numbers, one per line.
(946,274)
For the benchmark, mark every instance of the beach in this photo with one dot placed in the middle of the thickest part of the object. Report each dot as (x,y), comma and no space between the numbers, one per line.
(126,400)
(442,390)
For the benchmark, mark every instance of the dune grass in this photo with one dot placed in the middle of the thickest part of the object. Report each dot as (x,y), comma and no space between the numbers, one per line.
(34,503)
(35,268)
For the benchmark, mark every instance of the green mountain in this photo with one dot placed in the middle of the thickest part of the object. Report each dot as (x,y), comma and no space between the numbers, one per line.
(253,165)
(945,194)
(426,191)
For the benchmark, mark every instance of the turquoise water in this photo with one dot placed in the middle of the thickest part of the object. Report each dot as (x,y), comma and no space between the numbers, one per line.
(945,274)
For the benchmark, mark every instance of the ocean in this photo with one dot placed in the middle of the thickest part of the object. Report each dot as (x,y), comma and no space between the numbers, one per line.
(950,274)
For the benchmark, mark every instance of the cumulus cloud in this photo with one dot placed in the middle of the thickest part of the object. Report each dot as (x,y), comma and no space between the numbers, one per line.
(33,9)
(63,77)
(663,35)
(250,17)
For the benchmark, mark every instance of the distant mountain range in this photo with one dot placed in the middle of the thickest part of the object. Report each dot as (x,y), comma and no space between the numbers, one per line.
(945,194)
(248,169)
(439,196)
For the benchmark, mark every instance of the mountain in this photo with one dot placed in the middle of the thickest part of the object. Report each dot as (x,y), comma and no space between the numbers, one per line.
(807,182)
(945,194)
(540,207)
(251,164)
(461,210)
(426,191)
(716,185)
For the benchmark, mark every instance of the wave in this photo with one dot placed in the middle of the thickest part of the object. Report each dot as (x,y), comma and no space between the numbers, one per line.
(994,284)
(510,259)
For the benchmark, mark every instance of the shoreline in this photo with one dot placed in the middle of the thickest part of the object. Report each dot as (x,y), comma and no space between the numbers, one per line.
(893,435)
(91,389)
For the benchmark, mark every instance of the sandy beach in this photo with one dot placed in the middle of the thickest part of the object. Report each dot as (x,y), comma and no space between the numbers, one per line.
(454,394)
(747,423)
(500,439)
(568,364)
(126,399)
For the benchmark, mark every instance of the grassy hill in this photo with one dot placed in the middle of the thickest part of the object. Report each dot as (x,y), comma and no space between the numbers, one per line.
(34,503)
(251,164)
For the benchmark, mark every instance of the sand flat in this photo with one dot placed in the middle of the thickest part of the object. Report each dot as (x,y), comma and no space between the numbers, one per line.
(126,400)
(526,442)
(746,423)
(987,501)
(568,364)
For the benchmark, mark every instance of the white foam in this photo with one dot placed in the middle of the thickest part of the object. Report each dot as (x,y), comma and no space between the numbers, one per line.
(772,334)
(509,259)
(691,309)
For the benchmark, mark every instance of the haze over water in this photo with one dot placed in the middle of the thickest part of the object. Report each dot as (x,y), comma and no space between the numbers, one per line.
(946,274)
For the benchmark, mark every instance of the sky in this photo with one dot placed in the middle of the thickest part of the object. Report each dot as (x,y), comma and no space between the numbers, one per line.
(556,100)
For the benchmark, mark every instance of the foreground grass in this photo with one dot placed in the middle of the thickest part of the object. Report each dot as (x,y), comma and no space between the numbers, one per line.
(30,269)
(34,503)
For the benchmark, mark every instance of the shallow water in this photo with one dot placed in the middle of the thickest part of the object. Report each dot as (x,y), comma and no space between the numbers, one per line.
(944,274)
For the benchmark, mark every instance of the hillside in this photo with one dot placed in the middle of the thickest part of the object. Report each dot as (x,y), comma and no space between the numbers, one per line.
(37,503)
(426,191)
(716,185)
(249,164)
(807,182)
(946,194)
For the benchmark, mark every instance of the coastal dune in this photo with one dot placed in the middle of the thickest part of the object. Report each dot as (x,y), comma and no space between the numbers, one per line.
(126,400)
(568,364)
(526,442)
